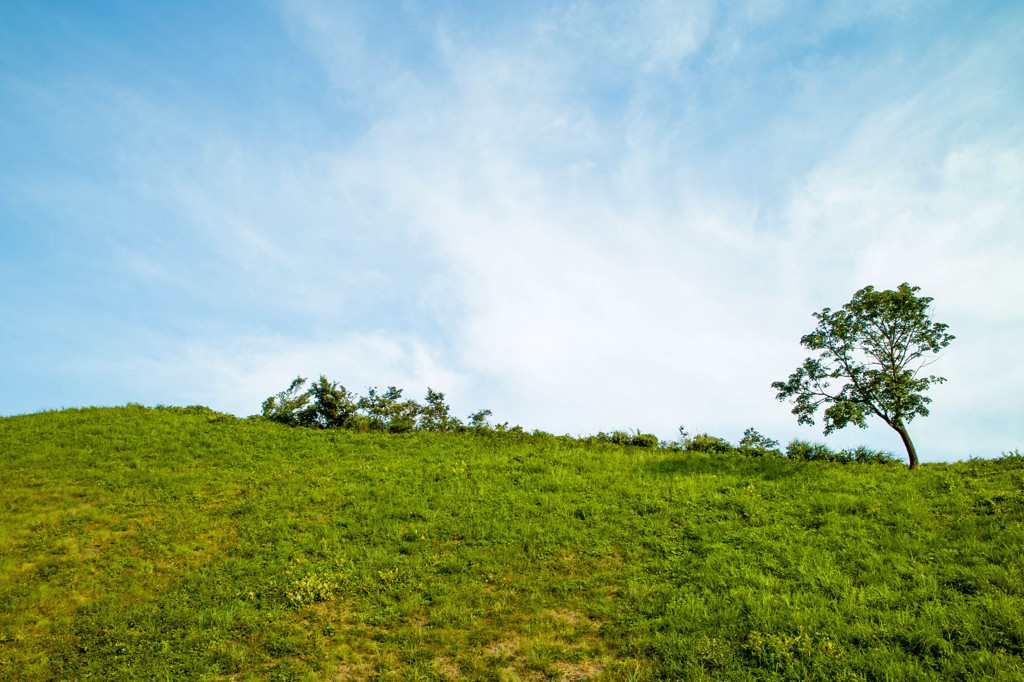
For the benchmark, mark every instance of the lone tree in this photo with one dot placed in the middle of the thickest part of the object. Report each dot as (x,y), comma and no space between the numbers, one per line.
(871,354)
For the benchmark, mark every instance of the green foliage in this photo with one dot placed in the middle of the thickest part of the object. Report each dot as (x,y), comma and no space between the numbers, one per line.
(754,444)
(329,405)
(616,437)
(478,420)
(1014,457)
(864,455)
(809,452)
(644,440)
(388,412)
(333,406)
(311,588)
(870,357)
(819,452)
(504,428)
(636,439)
(211,416)
(436,415)
(324,405)
(287,405)
(703,442)
(141,544)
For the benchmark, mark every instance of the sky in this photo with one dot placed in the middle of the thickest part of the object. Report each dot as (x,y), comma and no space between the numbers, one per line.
(583,216)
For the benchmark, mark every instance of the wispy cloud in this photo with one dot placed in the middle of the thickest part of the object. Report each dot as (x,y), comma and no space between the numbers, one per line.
(583,216)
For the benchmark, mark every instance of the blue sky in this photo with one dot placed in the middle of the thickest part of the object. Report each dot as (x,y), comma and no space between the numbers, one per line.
(583,216)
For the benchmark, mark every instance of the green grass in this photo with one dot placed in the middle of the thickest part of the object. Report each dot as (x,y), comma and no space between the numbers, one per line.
(172,544)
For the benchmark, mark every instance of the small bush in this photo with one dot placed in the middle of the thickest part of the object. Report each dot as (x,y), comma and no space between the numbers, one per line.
(644,440)
(809,452)
(636,439)
(284,408)
(819,452)
(333,406)
(388,412)
(200,411)
(436,415)
(703,442)
(1013,459)
(754,444)
(869,456)
(615,437)
(478,420)
(329,405)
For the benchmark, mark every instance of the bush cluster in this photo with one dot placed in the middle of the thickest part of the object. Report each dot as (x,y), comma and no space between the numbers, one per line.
(819,452)
(636,439)
(212,416)
(754,444)
(327,404)
(703,442)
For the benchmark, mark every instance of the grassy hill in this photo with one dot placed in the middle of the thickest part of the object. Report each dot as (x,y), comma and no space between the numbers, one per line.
(181,544)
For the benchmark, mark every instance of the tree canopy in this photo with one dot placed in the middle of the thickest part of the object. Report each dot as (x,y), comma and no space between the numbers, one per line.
(870,357)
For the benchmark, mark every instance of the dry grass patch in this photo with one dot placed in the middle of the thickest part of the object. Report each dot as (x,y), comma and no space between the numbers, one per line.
(445,667)
(587,670)
(502,649)
(350,673)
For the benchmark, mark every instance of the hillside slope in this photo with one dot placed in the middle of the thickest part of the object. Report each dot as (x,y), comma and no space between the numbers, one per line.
(179,544)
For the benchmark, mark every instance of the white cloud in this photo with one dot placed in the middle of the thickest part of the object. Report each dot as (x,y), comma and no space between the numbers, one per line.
(907,199)
(600,285)
(599,215)
(650,35)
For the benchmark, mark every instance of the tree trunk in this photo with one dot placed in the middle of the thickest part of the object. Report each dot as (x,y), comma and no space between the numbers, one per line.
(909,444)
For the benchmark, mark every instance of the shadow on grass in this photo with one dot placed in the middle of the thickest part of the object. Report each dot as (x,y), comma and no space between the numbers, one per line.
(696,463)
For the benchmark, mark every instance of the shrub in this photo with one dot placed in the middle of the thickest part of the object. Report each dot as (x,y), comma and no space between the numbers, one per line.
(333,406)
(285,406)
(615,437)
(869,456)
(212,416)
(1013,458)
(387,412)
(703,442)
(510,430)
(754,444)
(809,452)
(329,405)
(819,452)
(644,440)
(636,439)
(360,423)
(436,415)
(478,420)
